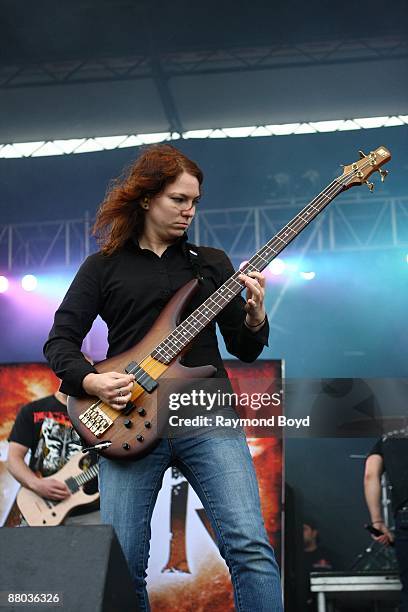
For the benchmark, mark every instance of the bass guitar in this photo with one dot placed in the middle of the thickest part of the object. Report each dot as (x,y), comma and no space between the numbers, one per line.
(134,431)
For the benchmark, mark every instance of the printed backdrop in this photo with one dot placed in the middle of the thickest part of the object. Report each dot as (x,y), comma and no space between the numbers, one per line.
(185,570)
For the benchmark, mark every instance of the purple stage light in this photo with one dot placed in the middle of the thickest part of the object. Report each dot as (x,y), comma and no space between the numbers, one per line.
(4,284)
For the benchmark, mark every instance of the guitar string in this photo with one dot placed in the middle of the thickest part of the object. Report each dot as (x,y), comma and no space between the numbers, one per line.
(155,368)
(323,195)
(193,319)
(152,366)
(83,478)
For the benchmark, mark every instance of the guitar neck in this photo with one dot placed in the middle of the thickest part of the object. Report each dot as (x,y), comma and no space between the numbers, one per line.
(208,310)
(280,241)
(75,482)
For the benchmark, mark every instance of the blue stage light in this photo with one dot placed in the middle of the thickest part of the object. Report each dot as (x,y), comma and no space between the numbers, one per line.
(308,275)
(277,266)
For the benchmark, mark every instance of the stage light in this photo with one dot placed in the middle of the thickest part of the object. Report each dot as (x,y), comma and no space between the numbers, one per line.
(277,266)
(308,275)
(4,284)
(29,282)
(292,267)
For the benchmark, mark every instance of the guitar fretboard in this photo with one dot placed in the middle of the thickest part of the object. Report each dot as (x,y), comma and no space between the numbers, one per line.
(75,482)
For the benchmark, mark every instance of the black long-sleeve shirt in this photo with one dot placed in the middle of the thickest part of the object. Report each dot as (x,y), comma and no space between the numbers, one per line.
(128,290)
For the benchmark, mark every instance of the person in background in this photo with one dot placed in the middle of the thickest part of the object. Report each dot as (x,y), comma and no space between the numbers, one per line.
(316,559)
(390,455)
(43,427)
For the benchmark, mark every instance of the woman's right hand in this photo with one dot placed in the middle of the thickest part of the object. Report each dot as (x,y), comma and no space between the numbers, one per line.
(112,388)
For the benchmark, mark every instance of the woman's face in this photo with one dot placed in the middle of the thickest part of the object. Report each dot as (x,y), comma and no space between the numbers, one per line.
(171,212)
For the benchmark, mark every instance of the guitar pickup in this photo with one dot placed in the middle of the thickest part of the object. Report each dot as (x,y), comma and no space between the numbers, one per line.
(72,485)
(141,377)
(128,408)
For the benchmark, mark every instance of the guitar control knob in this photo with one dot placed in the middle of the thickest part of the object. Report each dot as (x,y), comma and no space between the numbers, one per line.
(141,411)
(139,438)
(127,423)
(125,446)
(148,424)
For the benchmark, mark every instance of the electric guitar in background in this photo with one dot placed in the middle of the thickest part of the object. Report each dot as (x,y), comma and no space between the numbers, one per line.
(40,512)
(134,431)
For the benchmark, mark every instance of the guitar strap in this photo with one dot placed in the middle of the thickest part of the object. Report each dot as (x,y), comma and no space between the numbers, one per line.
(195,260)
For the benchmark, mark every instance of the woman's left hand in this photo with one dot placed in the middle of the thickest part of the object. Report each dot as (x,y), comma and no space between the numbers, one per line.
(255,295)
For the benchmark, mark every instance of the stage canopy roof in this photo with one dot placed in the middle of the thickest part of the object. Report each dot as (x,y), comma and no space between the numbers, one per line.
(107,67)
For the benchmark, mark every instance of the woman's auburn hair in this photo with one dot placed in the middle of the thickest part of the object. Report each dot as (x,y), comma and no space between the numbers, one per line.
(121,215)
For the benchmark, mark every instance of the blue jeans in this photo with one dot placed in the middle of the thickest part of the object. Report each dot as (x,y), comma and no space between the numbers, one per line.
(220,469)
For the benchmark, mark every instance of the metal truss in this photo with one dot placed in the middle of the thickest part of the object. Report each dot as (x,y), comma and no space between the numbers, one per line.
(34,246)
(350,224)
(212,61)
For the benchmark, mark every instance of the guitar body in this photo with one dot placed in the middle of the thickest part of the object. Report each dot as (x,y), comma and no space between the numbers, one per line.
(141,421)
(40,512)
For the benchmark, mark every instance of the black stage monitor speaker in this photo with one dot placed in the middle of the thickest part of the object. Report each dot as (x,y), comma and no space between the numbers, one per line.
(70,568)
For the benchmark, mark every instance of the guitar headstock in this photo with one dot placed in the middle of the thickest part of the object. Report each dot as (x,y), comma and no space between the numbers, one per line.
(360,171)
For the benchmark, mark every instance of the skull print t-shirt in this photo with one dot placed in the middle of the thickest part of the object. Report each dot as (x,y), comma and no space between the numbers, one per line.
(44,427)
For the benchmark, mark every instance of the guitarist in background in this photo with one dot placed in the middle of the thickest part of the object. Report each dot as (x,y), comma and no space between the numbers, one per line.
(144,260)
(44,428)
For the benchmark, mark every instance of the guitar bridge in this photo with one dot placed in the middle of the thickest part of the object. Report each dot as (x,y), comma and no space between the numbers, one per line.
(96,420)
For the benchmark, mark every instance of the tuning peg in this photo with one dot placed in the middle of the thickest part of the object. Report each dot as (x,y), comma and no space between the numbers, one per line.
(383,174)
(362,154)
(370,186)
